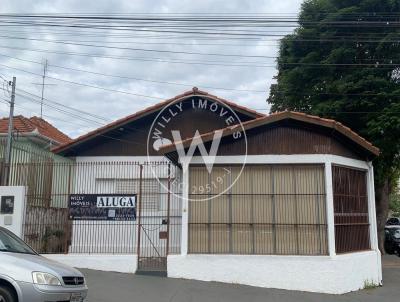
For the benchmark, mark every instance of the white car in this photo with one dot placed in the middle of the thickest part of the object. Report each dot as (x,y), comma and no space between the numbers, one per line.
(26,276)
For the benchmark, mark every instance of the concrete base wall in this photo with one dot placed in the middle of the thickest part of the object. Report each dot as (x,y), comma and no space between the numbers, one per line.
(323,274)
(101,262)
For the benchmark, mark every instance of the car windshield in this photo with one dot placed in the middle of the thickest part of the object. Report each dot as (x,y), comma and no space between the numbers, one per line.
(11,243)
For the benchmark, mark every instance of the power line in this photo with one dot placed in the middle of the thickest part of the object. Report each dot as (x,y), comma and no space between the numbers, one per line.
(58,109)
(71,108)
(65,106)
(353,34)
(142,59)
(207,33)
(203,25)
(80,118)
(141,49)
(82,84)
(56,119)
(161,98)
(354,37)
(143,23)
(175,18)
(366,65)
(53,105)
(135,78)
(101,135)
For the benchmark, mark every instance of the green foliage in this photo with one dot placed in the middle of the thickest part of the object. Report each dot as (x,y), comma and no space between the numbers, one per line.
(394,204)
(48,235)
(364,97)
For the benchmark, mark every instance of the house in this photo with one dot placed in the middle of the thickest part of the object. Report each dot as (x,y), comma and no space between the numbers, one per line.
(34,166)
(224,193)
(32,138)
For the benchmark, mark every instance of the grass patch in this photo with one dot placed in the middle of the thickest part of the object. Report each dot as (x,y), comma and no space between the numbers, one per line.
(370,284)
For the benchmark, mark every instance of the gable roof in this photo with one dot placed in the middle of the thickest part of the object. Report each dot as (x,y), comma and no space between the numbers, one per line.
(142,113)
(25,125)
(279,116)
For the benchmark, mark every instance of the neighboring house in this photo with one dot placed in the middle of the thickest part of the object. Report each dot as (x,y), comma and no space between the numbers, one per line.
(33,138)
(32,162)
(294,209)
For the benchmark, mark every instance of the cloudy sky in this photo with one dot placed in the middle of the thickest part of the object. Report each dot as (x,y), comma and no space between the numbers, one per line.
(138,72)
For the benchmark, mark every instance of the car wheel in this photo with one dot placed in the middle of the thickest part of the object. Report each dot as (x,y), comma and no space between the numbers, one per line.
(7,295)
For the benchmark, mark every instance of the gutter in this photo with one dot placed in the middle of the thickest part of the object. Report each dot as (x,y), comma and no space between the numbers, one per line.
(36,136)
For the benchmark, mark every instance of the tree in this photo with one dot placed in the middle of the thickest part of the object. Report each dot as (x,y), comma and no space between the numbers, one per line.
(394,204)
(343,62)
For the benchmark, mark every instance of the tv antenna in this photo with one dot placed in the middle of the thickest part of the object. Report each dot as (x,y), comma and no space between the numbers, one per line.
(43,84)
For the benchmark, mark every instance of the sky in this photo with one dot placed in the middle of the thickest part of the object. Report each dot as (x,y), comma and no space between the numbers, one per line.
(140,77)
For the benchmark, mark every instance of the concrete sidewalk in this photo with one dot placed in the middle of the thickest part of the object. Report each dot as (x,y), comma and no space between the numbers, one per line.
(117,287)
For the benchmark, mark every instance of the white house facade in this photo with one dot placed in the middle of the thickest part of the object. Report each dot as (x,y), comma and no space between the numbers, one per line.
(225,194)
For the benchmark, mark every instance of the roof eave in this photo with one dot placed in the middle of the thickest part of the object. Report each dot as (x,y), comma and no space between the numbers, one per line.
(336,126)
(147,111)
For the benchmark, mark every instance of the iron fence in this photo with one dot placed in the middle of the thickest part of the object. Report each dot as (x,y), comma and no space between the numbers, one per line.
(49,229)
(268,209)
(350,200)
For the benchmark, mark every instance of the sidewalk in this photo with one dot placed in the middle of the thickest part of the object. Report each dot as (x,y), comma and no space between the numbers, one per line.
(117,287)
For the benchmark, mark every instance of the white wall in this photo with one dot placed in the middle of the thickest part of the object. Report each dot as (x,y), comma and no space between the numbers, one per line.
(324,274)
(333,274)
(101,262)
(17,218)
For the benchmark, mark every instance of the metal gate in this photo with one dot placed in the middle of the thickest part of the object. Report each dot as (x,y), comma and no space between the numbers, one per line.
(159,214)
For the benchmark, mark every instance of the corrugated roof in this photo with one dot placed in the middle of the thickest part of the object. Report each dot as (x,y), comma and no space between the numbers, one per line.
(275,117)
(118,123)
(24,124)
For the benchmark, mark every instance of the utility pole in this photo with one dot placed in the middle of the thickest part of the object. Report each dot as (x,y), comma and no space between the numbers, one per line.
(7,157)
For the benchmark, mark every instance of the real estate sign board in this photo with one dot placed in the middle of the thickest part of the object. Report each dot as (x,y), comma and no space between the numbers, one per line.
(121,207)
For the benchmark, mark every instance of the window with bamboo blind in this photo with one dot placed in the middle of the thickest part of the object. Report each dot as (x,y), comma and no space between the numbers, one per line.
(270,209)
(350,200)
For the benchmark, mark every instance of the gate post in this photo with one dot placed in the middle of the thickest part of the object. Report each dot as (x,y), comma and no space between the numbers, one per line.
(185,210)
(139,213)
(330,215)
(13,213)
(168,208)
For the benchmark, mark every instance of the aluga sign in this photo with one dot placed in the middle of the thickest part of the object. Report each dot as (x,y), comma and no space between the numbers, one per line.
(102,207)
(116,201)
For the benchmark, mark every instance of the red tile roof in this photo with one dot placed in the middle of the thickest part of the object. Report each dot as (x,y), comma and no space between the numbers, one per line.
(118,123)
(23,124)
(275,117)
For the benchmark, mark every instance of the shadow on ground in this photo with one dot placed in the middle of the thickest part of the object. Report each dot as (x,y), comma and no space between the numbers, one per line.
(117,287)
